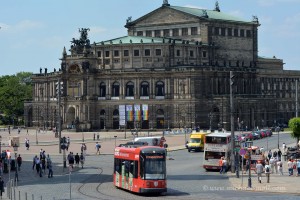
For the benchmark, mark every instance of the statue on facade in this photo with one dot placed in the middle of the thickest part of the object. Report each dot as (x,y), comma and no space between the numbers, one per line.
(79,44)
(165,2)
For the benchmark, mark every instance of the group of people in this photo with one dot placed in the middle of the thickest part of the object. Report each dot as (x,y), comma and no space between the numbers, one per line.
(76,159)
(41,162)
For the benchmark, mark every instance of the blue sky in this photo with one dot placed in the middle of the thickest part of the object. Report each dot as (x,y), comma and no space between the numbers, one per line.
(34,32)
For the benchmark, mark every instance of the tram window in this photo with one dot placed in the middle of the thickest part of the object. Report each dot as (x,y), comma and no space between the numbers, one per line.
(117,165)
(133,169)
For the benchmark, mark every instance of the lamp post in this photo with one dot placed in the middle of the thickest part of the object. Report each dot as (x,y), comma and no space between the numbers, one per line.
(115,140)
(16,166)
(249,144)
(0,146)
(278,129)
(36,137)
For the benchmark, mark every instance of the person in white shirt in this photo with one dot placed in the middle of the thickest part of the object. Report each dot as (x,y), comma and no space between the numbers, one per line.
(290,167)
(280,167)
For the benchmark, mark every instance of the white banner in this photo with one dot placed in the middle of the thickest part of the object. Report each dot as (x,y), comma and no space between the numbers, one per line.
(122,113)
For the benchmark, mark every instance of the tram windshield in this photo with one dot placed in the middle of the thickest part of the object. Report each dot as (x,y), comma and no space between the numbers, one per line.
(153,167)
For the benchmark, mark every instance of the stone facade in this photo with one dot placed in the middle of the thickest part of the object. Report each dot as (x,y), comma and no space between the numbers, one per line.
(171,71)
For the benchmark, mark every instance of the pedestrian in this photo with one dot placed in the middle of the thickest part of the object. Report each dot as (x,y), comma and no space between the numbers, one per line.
(267,172)
(97,147)
(71,159)
(224,165)
(283,146)
(68,143)
(82,159)
(290,167)
(27,144)
(43,163)
(221,165)
(1,186)
(19,162)
(295,171)
(19,130)
(272,164)
(77,159)
(34,161)
(298,167)
(269,154)
(27,132)
(83,149)
(37,165)
(259,171)
(49,166)
(280,167)
(279,154)
(275,154)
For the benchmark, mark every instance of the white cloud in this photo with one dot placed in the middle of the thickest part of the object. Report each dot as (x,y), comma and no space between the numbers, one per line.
(236,13)
(21,26)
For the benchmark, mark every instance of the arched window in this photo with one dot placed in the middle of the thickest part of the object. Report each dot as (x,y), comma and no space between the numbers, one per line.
(102,89)
(159,89)
(116,89)
(129,89)
(144,89)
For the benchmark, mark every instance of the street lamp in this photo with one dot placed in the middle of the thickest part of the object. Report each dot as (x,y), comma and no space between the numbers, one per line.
(0,146)
(248,145)
(115,140)
(277,130)
(16,166)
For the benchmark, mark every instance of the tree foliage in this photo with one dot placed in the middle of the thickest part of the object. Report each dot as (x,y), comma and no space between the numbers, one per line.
(14,90)
(294,125)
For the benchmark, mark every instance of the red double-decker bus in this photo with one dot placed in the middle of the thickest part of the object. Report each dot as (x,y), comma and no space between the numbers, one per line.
(140,169)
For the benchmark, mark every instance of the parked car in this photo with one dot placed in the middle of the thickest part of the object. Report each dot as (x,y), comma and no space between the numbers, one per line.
(247,136)
(269,132)
(256,136)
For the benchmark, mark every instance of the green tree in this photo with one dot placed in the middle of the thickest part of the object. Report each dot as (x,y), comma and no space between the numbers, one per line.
(294,125)
(13,91)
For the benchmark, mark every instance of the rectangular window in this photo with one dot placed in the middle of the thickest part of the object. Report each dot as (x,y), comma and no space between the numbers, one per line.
(236,32)
(148,33)
(158,52)
(194,31)
(136,52)
(223,31)
(229,31)
(166,32)
(248,33)
(178,52)
(126,53)
(116,53)
(140,33)
(204,54)
(242,33)
(157,33)
(176,32)
(106,53)
(184,31)
(217,31)
(99,53)
(147,52)
(191,53)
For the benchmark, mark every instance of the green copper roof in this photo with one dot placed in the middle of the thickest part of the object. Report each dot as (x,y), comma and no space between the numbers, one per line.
(211,14)
(141,39)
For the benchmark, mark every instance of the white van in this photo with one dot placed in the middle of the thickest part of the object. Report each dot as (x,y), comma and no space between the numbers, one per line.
(152,141)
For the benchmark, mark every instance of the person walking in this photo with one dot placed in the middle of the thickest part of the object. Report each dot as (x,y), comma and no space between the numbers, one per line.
(280,167)
(19,162)
(68,143)
(34,161)
(259,170)
(97,147)
(279,154)
(267,172)
(82,159)
(77,159)
(290,167)
(298,167)
(221,165)
(49,166)
(1,186)
(272,164)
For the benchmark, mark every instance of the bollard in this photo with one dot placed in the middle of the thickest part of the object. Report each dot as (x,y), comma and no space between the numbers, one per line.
(19,195)
(25,195)
(41,197)
(32,197)
(94,136)
(98,136)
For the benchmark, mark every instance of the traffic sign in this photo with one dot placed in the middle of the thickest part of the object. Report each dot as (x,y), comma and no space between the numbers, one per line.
(243,152)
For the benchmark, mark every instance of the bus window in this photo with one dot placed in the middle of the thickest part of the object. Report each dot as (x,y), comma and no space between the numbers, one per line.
(216,140)
(214,155)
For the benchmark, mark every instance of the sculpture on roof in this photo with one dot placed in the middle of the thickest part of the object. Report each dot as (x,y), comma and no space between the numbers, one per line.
(204,13)
(128,20)
(166,3)
(83,42)
(255,18)
(217,7)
